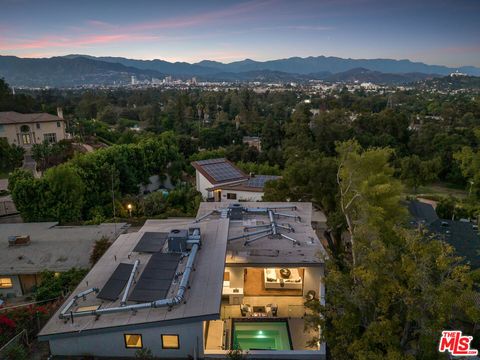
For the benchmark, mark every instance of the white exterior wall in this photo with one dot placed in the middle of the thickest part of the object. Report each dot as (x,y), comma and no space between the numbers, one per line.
(243,195)
(15,289)
(112,344)
(202,184)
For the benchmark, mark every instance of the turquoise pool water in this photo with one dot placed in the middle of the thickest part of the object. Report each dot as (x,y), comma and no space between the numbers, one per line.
(261,335)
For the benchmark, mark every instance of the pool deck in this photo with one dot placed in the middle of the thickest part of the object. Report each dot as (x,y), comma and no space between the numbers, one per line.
(216,329)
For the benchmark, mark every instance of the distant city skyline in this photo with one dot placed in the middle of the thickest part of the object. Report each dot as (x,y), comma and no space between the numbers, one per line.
(443,32)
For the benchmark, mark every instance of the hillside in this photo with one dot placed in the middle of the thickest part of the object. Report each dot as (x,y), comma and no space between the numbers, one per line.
(293,65)
(79,70)
(376,77)
(64,72)
(449,83)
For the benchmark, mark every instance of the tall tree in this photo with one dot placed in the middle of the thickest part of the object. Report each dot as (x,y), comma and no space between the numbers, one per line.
(416,172)
(405,290)
(369,194)
(11,156)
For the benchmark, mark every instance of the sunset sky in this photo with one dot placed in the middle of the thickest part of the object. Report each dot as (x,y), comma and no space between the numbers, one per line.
(435,31)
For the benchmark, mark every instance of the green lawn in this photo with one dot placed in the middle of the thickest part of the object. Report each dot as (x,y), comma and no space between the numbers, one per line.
(438,189)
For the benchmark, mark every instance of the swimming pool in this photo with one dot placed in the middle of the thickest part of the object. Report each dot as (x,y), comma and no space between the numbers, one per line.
(261,335)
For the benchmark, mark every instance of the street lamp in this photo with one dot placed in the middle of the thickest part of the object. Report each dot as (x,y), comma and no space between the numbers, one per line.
(129,207)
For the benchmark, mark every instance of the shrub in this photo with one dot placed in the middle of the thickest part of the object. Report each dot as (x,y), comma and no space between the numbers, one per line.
(100,247)
(55,285)
(17,352)
(144,354)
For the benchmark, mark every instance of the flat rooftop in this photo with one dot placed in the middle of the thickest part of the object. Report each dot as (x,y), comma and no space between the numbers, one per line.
(271,250)
(203,298)
(52,247)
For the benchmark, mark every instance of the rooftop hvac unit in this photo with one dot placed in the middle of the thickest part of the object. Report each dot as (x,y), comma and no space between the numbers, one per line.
(177,240)
(236,212)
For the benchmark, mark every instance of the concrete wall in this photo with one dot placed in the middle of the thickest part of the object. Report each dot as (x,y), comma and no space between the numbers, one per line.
(16,289)
(112,344)
(313,280)
(236,276)
(13,134)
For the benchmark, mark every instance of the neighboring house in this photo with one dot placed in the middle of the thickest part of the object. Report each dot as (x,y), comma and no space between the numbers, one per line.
(27,129)
(27,249)
(461,234)
(238,276)
(253,141)
(220,180)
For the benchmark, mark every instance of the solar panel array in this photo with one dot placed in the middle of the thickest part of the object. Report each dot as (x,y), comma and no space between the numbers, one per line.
(223,171)
(210,161)
(115,284)
(151,242)
(259,181)
(156,278)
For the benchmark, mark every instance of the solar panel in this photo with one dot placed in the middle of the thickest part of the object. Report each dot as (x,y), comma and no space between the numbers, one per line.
(114,286)
(156,278)
(223,171)
(210,161)
(260,180)
(151,242)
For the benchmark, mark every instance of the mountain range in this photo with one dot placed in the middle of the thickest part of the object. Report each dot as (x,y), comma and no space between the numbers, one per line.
(76,70)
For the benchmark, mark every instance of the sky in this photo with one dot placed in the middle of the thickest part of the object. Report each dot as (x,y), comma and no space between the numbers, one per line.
(444,32)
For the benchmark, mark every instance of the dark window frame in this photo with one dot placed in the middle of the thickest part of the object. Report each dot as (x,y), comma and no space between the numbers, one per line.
(51,138)
(232,196)
(168,347)
(132,347)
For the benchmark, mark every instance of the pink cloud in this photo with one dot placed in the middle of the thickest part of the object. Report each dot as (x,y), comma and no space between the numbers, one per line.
(53,41)
(186,21)
(106,33)
(202,18)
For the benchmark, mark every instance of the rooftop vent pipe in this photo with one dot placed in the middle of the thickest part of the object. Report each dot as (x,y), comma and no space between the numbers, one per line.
(172,301)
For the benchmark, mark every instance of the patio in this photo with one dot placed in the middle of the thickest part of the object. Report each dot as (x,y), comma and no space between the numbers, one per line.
(218,334)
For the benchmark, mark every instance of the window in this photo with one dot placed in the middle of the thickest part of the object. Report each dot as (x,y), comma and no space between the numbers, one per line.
(232,196)
(170,341)
(24,129)
(6,283)
(50,137)
(26,139)
(38,125)
(133,341)
(58,124)
(88,308)
(2,129)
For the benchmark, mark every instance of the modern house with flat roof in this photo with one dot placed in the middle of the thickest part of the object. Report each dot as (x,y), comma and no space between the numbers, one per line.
(220,180)
(27,249)
(237,276)
(25,130)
